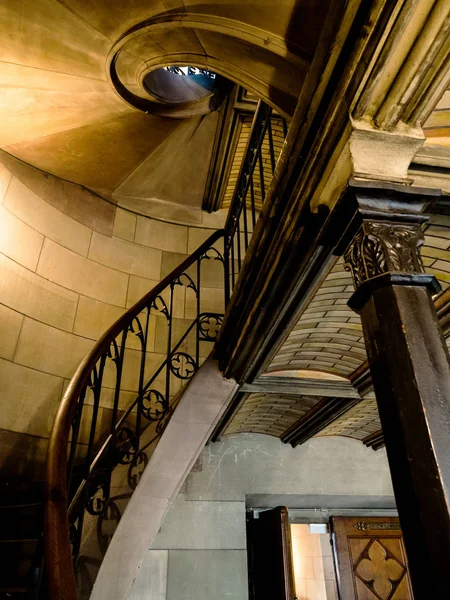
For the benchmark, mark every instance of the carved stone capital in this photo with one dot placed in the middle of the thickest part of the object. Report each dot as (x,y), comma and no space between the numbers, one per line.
(381,247)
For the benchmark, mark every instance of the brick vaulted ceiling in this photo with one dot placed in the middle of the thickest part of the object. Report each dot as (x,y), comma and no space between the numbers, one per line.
(328,336)
(328,340)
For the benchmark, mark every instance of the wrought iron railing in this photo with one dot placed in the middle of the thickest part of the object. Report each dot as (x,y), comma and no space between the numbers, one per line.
(120,379)
(83,452)
(255,175)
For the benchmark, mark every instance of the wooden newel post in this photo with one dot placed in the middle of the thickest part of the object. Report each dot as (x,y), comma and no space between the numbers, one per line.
(410,369)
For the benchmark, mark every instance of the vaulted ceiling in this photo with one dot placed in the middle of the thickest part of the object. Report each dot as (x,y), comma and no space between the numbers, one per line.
(74,104)
(327,345)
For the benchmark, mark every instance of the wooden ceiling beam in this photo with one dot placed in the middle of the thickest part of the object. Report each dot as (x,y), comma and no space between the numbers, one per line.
(286,263)
(374,440)
(362,59)
(324,413)
(268,384)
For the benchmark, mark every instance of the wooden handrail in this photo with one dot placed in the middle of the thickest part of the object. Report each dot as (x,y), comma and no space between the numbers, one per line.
(58,555)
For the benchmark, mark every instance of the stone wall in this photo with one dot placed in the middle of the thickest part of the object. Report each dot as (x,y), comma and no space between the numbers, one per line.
(200,550)
(314,574)
(63,280)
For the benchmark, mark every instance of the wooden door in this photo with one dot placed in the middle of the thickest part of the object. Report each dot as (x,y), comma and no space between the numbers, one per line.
(271,572)
(370,559)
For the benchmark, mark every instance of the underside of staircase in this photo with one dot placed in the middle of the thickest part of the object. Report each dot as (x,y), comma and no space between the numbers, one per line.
(199,192)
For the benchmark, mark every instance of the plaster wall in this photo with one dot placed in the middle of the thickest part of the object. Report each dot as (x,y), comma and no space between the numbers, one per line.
(64,278)
(200,550)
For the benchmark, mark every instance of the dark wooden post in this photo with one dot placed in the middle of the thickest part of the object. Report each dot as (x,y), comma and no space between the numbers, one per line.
(410,369)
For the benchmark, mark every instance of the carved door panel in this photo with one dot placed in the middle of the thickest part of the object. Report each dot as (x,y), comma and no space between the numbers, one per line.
(370,559)
(271,571)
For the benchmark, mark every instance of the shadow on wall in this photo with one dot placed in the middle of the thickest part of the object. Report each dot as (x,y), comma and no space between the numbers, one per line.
(21,456)
(302,35)
(72,199)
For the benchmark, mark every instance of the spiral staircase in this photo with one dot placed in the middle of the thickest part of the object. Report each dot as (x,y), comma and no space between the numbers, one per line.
(91,96)
(74,94)
(88,116)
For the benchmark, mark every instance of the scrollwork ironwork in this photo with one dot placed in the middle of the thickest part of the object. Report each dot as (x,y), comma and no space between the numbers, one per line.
(92,378)
(186,281)
(182,365)
(98,490)
(125,445)
(160,306)
(212,254)
(119,441)
(136,329)
(381,247)
(113,351)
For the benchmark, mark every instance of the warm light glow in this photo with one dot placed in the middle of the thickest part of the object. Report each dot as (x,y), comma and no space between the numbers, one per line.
(306,374)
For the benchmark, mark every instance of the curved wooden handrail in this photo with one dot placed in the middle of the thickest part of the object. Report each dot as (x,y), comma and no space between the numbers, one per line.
(58,556)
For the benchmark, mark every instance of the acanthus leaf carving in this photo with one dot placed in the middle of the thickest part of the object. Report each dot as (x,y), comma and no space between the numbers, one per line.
(381,247)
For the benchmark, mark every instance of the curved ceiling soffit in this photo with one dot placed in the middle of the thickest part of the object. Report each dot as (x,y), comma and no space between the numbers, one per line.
(270,414)
(301,374)
(246,49)
(328,337)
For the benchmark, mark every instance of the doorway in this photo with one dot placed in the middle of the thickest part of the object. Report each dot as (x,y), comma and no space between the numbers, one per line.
(341,558)
(312,557)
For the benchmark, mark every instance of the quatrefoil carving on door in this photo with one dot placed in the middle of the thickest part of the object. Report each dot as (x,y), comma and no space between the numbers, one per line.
(380,571)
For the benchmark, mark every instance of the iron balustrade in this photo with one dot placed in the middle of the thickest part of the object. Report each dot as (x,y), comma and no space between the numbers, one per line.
(82,453)
(254,176)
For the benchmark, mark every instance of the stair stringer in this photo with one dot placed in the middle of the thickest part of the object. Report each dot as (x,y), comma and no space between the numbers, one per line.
(203,402)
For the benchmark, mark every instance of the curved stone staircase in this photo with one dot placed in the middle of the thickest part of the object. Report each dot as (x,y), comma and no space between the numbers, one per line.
(86,462)
(75,106)
(74,103)
(93,467)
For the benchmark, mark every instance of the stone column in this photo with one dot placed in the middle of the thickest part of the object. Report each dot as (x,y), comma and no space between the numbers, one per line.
(410,369)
